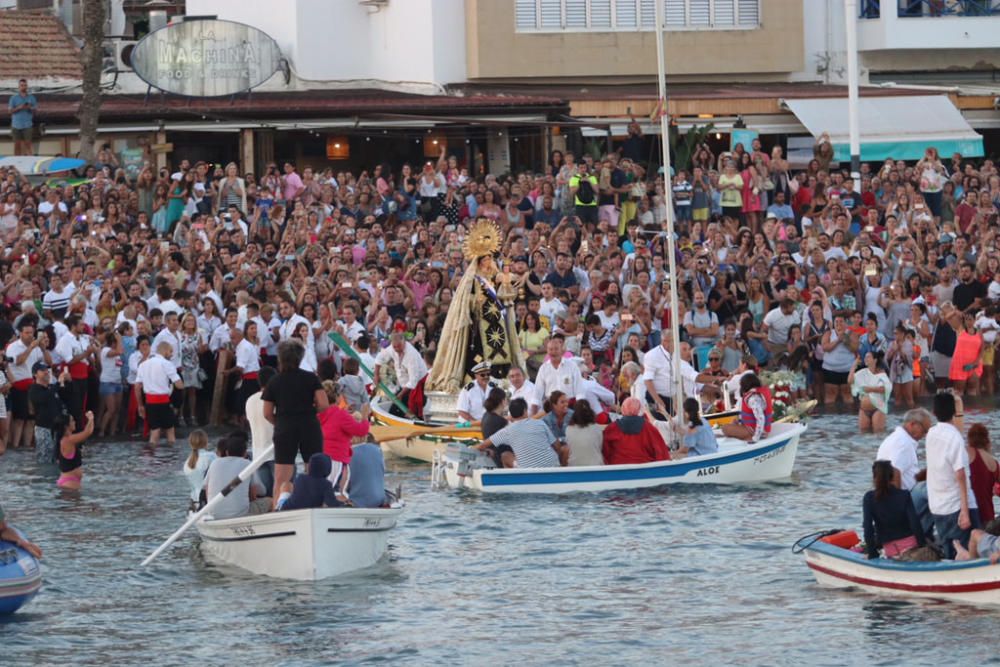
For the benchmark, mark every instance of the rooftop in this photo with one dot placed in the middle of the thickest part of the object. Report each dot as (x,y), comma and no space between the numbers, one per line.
(36,45)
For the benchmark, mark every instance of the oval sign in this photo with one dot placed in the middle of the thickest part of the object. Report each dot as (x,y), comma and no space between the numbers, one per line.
(206,58)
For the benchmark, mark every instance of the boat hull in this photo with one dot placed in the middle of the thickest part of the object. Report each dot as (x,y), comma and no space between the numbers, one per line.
(965,581)
(735,463)
(20,577)
(301,544)
(423,447)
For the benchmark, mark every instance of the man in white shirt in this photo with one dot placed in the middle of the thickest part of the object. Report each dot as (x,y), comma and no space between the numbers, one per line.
(900,448)
(658,376)
(23,353)
(223,334)
(777,323)
(350,324)
(557,372)
(949,489)
(522,387)
(155,379)
(290,320)
(170,334)
(473,395)
(409,365)
(78,353)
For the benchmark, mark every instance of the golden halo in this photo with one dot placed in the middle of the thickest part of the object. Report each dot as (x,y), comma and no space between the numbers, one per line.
(483,239)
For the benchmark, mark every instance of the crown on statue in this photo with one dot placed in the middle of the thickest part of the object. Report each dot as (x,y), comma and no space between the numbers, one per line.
(483,239)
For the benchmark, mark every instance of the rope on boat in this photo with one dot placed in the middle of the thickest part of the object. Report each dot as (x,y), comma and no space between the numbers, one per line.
(813,538)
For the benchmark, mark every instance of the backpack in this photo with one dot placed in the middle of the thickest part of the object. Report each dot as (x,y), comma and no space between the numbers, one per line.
(585,190)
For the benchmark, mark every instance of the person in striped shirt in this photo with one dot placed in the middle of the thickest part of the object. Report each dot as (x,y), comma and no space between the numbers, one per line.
(525,443)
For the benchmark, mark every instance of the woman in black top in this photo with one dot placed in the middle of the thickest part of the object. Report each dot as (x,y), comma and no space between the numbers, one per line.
(890,520)
(292,400)
(68,454)
(495,405)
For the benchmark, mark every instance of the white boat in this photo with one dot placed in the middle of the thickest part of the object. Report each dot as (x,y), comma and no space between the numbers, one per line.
(736,462)
(967,581)
(301,544)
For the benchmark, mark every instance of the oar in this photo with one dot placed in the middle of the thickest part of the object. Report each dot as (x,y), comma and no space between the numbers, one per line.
(393,432)
(215,500)
(346,348)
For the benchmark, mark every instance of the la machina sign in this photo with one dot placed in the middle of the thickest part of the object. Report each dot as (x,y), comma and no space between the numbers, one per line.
(206,58)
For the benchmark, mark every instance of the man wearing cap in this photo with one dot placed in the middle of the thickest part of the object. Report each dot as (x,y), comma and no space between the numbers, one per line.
(22,354)
(155,379)
(48,403)
(472,396)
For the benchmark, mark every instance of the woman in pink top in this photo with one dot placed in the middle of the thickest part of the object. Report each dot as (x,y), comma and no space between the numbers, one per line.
(339,426)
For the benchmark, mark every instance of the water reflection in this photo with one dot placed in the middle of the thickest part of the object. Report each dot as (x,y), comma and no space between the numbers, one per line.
(697,573)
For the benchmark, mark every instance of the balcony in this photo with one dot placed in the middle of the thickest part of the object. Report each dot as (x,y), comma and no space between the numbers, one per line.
(888,25)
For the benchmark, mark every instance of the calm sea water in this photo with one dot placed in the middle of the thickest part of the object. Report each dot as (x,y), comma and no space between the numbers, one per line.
(695,575)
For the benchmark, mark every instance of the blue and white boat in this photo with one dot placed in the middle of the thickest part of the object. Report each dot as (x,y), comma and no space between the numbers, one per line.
(975,581)
(736,462)
(20,577)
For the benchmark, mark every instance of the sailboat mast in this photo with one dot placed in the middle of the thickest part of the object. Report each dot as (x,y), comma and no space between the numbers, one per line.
(668,196)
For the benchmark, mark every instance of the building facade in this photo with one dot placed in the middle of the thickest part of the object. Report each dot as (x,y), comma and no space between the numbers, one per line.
(502,82)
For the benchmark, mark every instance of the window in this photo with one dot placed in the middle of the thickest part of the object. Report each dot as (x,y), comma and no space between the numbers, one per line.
(623,15)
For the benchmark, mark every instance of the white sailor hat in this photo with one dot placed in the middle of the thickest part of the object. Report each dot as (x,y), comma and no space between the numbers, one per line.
(481,367)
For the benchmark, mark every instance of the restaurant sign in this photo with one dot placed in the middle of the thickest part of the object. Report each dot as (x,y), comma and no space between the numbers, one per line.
(206,58)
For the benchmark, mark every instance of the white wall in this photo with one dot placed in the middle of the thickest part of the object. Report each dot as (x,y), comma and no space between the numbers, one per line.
(405,42)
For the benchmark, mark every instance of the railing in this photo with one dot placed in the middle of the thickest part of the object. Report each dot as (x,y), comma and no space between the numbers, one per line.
(872,9)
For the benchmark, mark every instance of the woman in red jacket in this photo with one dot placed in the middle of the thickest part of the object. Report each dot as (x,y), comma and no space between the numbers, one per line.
(339,426)
(633,439)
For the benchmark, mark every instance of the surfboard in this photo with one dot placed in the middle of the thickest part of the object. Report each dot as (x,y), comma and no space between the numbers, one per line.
(40,165)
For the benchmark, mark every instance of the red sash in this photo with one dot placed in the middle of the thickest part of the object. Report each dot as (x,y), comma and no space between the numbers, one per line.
(23,385)
(79,370)
(157,399)
(250,376)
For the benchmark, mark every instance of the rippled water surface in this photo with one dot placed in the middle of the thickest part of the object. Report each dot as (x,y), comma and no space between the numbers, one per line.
(697,575)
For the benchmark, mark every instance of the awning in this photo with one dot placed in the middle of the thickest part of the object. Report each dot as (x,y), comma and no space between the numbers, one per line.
(898,127)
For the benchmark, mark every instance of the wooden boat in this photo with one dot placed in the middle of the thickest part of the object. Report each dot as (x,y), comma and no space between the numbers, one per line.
(413,443)
(736,462)
(20,577)
(422,446)
(838,567)
(301,544)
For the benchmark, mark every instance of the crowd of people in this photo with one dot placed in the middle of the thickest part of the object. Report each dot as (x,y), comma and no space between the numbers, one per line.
(128,301)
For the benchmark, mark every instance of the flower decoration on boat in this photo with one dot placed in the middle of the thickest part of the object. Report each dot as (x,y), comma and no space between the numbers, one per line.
(780,383)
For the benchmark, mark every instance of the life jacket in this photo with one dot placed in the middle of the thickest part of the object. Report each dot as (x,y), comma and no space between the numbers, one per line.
(746,414)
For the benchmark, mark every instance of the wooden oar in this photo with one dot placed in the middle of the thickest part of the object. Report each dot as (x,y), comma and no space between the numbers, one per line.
(382,433)
(215,500)
(346,348)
